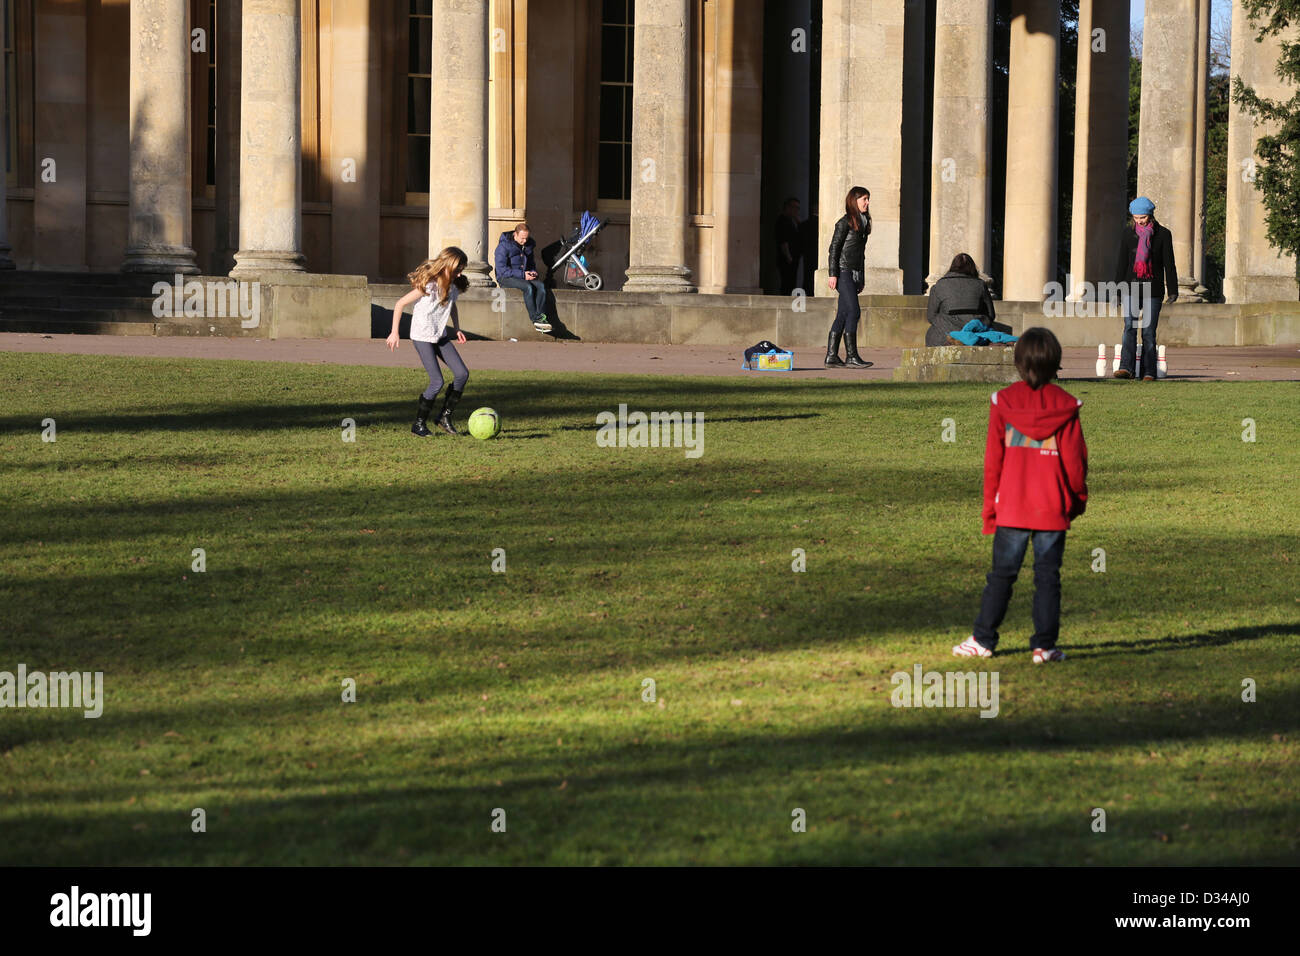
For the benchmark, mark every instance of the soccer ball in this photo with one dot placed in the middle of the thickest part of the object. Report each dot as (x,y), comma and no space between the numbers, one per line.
(484,423)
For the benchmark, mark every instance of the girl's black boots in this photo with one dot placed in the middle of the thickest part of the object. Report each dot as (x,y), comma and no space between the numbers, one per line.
(448,405)
(422,416)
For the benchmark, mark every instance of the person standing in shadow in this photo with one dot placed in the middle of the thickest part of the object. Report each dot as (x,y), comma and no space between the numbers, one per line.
(808,246)
(788,251)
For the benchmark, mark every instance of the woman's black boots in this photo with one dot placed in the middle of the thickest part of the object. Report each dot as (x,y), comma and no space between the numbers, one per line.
(833,359)
(448,406)
(851,357)
(426,406)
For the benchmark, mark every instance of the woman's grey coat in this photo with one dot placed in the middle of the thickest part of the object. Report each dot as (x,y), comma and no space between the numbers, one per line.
(955,300)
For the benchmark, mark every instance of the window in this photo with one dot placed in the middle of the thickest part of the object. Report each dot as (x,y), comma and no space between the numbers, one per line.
(614,159)
(211,151)
(9,63)
(419,93)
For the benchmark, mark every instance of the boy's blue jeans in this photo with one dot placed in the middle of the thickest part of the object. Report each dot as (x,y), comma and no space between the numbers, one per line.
(1009,545)
(534,293)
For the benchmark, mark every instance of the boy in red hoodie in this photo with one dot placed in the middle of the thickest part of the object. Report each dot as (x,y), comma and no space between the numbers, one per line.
(1035,481)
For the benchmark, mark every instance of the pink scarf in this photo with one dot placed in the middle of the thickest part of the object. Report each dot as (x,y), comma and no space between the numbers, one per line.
(1142,265)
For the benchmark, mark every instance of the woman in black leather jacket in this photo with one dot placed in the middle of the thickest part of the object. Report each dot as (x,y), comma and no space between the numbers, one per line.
(845,267)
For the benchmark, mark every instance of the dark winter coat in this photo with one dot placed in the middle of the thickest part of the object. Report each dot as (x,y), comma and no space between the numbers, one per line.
(1165,276)
(848,247)
(955,299)
(513,260)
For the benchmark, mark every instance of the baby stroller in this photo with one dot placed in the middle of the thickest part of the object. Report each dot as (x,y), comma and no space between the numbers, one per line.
(570,263)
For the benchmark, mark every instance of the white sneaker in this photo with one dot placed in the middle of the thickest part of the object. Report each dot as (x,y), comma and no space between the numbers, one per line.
(1042,654)
(971,648)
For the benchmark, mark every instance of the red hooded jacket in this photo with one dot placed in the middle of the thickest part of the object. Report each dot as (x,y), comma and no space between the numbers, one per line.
(1035,460)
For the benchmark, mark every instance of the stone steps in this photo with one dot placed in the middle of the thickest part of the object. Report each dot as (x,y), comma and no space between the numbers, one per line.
(98,304)
(114,322)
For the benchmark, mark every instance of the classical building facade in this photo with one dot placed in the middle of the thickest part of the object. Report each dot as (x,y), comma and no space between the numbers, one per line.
(357,136)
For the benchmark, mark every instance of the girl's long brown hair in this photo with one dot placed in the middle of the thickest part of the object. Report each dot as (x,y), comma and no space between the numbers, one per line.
(851,208)
(443,270)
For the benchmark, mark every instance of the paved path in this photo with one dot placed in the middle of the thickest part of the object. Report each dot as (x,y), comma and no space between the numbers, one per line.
(1272,363)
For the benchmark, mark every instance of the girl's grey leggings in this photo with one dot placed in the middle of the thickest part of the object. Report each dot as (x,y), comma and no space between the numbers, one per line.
(429,353)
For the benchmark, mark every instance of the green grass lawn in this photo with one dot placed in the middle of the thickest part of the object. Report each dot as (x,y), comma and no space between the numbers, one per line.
(475,690)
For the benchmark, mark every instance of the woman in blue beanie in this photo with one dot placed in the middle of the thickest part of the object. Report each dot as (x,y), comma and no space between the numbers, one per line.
(1145,268)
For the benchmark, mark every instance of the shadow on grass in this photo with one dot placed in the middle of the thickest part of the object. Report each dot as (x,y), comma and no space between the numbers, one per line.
(712,421)
(725,791)
(541,396)
(1178,642)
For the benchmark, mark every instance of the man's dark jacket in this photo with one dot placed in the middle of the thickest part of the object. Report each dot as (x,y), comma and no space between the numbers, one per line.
(512,259)
(1164,275)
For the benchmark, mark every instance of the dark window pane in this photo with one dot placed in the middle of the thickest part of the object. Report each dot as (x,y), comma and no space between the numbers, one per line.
(417,164)
(611,171)
(422,6)
(611,54)
(613,11)
(212,95)
(417,104)
(420,46)
(212,157)
(627,114)
(611,113)
(424,29)
(631,12)
(627,38)
(627,172)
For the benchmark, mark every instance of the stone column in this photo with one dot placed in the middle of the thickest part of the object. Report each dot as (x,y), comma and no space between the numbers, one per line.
(1167,153)
(160,192)
(226,204)
(1253,270)
(6,260)
(1029,247)
(861,130)
(960,187)
(270,168)
(661,112)
(458,151)
(1100,143)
